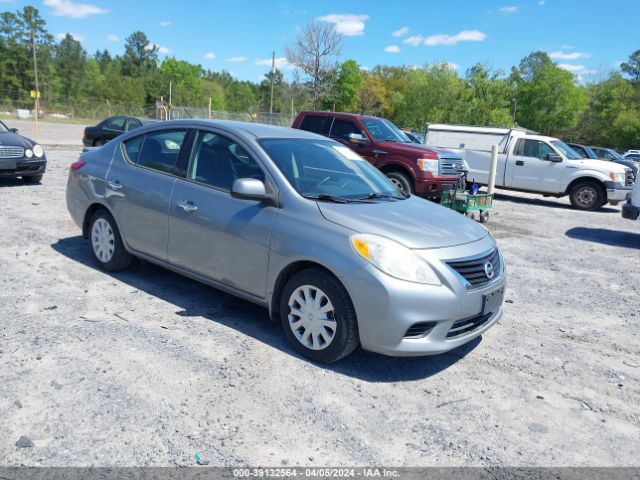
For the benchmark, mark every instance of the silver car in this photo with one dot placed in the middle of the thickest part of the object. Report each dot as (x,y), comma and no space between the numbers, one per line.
(297,223)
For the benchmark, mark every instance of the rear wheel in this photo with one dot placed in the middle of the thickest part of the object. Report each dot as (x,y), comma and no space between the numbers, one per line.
(318,317)
(401,180)
(106,243)
(32,179)
(587,195)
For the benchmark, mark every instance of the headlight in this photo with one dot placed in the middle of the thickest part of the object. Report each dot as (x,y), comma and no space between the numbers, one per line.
(428,165)
(38,151)
(394,259)
(617,177)
(28,153)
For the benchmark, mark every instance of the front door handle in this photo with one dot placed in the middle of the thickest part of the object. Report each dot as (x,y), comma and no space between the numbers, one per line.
(114,185)
(520,163)
(187,206)
(377,151)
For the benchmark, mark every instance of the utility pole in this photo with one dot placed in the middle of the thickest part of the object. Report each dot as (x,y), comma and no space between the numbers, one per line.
(273,74)
(35,71)
(209,110)
(515,106)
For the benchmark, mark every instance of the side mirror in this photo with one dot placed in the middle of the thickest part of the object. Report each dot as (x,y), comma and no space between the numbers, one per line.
(358,139)
(554,157)
(13,130)
(249,189)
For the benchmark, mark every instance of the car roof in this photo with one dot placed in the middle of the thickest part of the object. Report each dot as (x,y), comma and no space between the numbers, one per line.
(339,114)
(256,130)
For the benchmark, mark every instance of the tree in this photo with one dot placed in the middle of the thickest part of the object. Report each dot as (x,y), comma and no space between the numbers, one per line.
(70,60)
(185,82)
(348,85)
(632,66)
(315,51)
(374,97)
(140,56)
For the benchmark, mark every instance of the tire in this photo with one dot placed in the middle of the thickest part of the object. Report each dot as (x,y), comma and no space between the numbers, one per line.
(402,181)
(99,142)
(587,195)
(106,244)
(32,179)
(484,216)
(341,318)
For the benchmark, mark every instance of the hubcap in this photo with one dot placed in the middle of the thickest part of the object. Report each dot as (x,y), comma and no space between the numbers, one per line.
(586,196)
(397,183)
(102,240)
(312,317)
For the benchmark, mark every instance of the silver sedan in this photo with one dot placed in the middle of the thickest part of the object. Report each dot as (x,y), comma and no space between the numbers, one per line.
(297,223)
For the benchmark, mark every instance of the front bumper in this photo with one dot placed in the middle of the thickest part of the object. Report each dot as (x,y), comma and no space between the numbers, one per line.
(22,167)
(387,307)
(433,187)
(616,192)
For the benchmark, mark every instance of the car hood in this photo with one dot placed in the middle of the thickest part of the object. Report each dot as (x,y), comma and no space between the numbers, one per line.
(415,149)
(604,166)
(414,222)
(14,140)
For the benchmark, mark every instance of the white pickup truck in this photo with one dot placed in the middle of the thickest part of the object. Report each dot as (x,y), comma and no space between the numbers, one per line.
(631,209)
(530,162)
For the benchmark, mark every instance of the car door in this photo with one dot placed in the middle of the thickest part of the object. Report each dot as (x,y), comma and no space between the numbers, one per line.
(139,184)
(340,131)
(529,168)
(212,233)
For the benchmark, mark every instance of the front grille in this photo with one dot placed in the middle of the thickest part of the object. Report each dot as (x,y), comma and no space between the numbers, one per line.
(629,179)
(11,152)
(475,270)
(462,327)
(418,330)
(450,166)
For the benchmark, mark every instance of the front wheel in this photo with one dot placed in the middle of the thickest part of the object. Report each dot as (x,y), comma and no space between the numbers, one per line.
(106,243)
(318,317)
(587,196)
(401,181)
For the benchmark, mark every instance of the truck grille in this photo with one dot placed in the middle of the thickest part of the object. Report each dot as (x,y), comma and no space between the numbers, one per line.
(629,179)
(469,325)
(11,152)
(450,166)
(474,270)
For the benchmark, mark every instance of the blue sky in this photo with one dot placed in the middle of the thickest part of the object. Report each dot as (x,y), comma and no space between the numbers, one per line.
(584,36)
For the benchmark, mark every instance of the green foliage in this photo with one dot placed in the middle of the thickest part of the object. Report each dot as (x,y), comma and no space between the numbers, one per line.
(632,66)
(348,86)
(70,59)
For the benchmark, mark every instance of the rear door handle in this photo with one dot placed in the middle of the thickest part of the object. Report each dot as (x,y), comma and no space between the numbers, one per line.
(520,163)
(187,206)
(114,185)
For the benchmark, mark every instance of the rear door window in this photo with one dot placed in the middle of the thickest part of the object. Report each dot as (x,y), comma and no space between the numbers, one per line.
(160,150)
(115,123)
(313,123)
(132,123)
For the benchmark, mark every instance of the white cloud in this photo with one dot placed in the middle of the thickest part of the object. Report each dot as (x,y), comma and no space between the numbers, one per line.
(542,2)
(401,32)
(69,8)
(414,41)
(347,24)
(569,56)
(75,36)
(237,59)
(280,62)
(509,10)
(113,38)
(161,49)
(567,47)
(577,69)
(392,49)
(463,36)
(452,66)
(165,23)
(209,56)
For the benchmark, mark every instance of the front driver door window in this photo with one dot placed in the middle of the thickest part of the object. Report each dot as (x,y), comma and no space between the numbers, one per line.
(531,170)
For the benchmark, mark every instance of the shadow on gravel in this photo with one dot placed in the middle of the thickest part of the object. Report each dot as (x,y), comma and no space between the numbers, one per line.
(545,202)
(195,299)
(15,182)
(607,237)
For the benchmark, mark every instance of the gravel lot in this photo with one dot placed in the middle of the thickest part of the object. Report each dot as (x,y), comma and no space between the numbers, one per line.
(149,368)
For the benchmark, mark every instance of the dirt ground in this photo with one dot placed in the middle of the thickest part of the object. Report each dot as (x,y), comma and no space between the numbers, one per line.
(149,368)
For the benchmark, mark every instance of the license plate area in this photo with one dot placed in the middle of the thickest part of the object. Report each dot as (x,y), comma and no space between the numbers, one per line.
(7,164)
(491,301)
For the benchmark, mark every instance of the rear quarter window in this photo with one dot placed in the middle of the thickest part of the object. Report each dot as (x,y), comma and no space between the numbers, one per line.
(313,123)
(132,148)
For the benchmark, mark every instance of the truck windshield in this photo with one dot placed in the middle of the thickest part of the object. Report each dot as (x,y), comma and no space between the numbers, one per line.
(384,131)
(327,170)
(3,128)
(566,150)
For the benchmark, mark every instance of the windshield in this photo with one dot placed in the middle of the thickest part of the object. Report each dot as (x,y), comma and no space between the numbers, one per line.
(3,128)
(615,155)
(317,168)
(566,150)
(383,130)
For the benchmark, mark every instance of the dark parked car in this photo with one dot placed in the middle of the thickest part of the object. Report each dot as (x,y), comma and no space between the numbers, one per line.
(110,128)
(20,156)
(612,156)
(583,151)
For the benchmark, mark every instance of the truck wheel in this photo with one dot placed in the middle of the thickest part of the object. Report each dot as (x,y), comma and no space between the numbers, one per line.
(587,195)
(318,317)
(401,181)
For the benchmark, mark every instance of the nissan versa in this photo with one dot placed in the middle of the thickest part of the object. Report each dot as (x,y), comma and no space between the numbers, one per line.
(295,222)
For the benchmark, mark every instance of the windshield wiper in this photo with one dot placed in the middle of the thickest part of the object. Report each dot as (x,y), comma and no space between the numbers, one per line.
(398,196)
(329,198)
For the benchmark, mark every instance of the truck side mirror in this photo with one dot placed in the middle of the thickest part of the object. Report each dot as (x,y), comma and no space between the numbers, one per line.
(554,157)
(358,139)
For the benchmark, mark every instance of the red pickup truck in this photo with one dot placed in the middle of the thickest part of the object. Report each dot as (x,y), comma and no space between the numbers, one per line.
(413,167)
